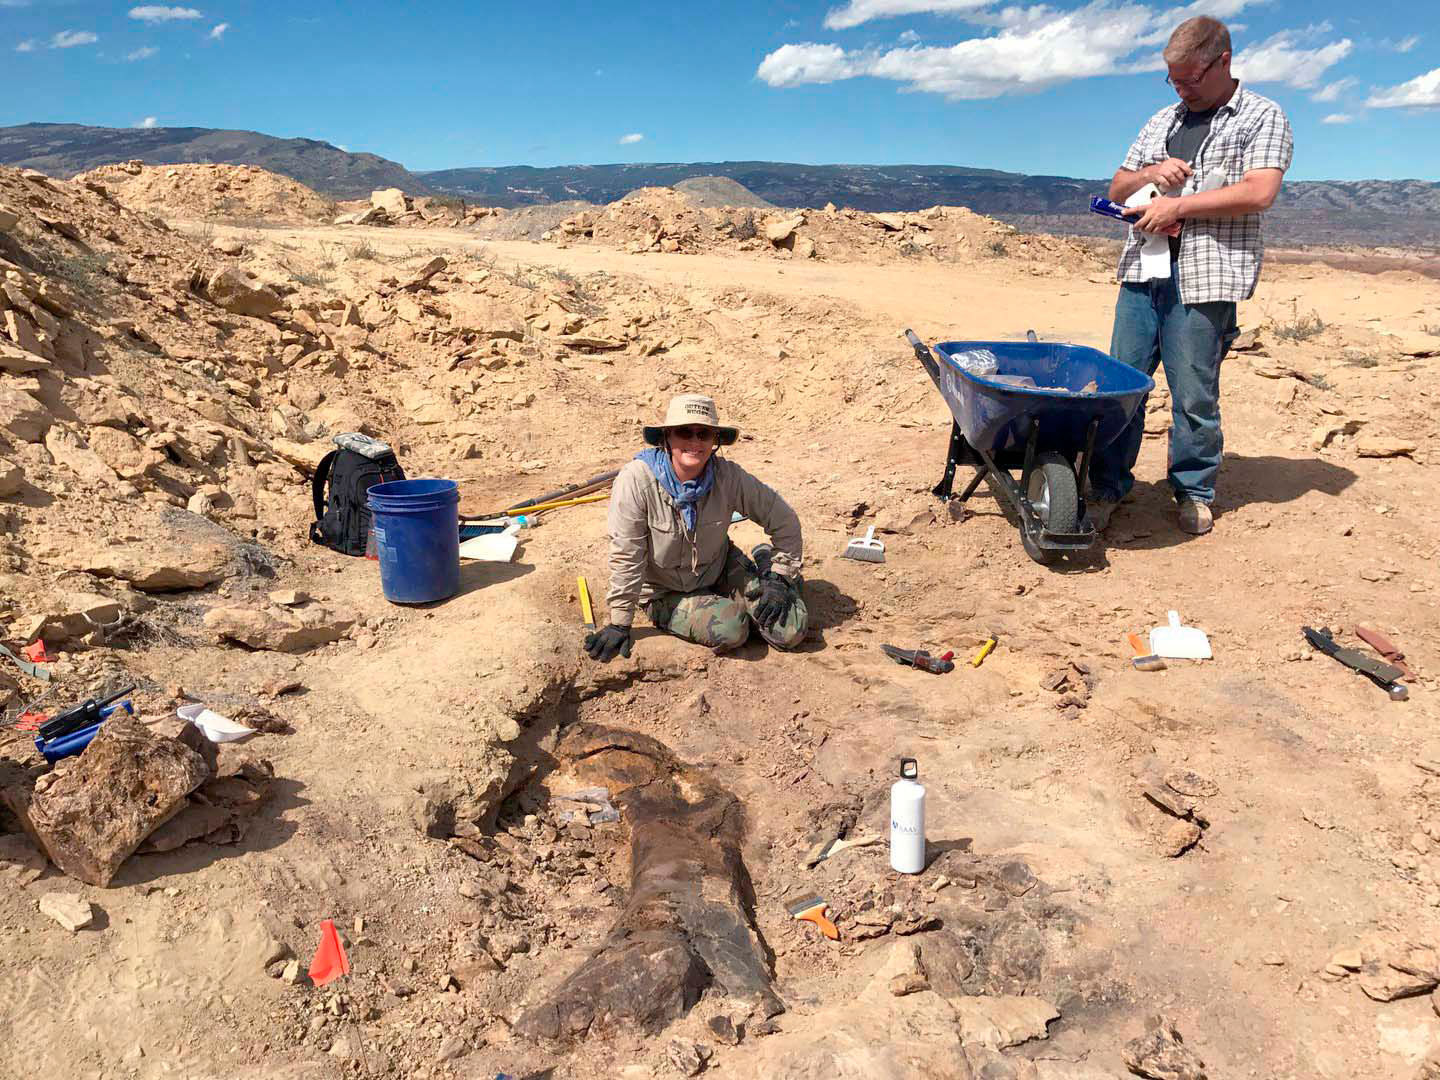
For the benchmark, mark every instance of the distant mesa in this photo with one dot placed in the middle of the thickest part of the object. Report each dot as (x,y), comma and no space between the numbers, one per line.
(1364,212)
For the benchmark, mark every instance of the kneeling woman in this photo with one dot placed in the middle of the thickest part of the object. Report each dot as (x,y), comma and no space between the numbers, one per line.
(670,548)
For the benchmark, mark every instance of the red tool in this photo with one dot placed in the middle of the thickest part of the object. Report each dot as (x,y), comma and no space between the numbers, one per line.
(919,658)
(35,652)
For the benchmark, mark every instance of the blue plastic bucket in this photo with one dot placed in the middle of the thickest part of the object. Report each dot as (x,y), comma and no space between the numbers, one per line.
(417,538)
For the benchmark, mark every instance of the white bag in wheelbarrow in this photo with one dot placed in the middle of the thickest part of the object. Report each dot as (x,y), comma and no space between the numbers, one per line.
(977,361)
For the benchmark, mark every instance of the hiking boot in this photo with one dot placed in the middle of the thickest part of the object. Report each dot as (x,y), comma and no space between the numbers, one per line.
(1195,517)
(1100,511)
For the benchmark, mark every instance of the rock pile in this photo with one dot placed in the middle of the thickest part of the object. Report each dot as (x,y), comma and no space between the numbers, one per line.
(243,193)
(391,206)
(665,220)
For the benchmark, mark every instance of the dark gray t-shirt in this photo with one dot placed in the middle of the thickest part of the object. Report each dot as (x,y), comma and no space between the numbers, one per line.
(1184,143)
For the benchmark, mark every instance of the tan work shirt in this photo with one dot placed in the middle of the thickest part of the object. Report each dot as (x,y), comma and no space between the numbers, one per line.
(651,551)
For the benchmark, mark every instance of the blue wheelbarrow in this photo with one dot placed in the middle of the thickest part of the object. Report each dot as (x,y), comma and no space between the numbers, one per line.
(1043,410)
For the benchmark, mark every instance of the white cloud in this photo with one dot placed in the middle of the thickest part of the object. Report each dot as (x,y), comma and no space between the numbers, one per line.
(218,31)
(633,137)
(1338,118)
(1404,45)
(1283,58)
(141,54)
(1025,48)
(908,37)
(1421,92)
(1332,91)
(159,13)
(795,65)
(68,39)
(28,45)
(857,12)
(148,122)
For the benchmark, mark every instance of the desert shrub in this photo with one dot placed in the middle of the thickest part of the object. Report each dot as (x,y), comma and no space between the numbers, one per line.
(1298,327)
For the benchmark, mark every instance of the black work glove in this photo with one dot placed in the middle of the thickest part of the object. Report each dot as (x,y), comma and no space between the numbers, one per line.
(775,599)
(604,645)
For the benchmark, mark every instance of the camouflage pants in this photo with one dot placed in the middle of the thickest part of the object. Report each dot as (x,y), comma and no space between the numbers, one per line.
(722,618)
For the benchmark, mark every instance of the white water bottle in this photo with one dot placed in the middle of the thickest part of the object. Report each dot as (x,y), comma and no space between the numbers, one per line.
(907,820)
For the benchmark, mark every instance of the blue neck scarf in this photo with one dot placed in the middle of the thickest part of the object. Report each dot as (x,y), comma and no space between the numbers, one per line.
(687,495)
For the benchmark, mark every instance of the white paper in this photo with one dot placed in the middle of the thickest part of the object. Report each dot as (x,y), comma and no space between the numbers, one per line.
(212,725)
(1154,247)
(492,547)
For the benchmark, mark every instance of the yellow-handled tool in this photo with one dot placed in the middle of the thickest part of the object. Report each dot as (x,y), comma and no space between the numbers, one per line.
(985,650)
(597,497)
(587,611)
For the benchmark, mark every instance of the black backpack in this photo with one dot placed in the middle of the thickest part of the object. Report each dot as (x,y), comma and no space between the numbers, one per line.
(342,516)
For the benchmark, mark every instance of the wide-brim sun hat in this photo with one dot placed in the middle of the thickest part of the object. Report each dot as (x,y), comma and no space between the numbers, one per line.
(689,409)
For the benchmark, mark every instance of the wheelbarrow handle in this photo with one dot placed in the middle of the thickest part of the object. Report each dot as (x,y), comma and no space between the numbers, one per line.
(924,355)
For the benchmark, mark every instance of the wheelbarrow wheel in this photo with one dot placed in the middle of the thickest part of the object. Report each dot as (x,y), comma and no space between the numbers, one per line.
(1055,497)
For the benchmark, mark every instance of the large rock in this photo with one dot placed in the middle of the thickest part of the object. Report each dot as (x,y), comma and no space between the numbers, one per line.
(73,615)
(391,200)
(93,811)
(1161,1054)
(124,453)
(8,219)
(241,293)
(290,630)
(22,416)
(778,232)
(165,553)
(221,809)
(998,1022)
(869,1035)
(12,478)
(69,909)
(70,450)
(17,361)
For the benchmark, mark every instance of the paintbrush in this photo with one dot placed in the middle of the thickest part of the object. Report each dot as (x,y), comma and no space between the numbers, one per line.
(812,909)
(1144,659)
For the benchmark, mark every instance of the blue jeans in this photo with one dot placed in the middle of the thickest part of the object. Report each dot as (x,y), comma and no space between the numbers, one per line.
(1152,327)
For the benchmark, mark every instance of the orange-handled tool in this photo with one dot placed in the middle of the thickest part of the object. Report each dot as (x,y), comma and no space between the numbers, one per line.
(812,909)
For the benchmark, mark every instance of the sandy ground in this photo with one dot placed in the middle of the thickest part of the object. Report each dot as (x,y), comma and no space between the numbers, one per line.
(1311,844)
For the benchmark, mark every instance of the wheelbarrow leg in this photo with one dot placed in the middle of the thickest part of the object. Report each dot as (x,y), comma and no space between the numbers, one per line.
(974,483)
(946,486)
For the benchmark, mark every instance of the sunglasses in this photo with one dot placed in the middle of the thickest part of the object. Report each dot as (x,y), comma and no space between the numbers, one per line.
(693,434)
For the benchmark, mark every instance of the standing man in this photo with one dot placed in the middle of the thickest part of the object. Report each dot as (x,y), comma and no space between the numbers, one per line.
(1219,155)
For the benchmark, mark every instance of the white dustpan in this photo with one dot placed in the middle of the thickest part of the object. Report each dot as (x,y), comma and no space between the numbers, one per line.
(492,547)
(1178,642)
(212,725)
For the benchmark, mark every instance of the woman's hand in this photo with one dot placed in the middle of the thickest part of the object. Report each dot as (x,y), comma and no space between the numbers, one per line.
(604,645)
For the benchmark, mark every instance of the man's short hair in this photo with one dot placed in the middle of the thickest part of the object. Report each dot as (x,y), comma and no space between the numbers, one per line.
(1201,40)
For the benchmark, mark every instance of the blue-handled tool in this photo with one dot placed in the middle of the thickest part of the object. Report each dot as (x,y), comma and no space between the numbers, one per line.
(1109,208)
(73,742)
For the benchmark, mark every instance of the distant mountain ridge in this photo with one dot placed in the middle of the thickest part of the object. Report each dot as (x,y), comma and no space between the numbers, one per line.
(1364,212)
(67,149)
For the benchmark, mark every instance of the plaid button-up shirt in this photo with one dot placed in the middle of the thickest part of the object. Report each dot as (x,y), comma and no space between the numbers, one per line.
(1219,257)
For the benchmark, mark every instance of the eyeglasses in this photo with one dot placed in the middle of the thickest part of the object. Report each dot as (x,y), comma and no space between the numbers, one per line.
(694,434)
(1188,83)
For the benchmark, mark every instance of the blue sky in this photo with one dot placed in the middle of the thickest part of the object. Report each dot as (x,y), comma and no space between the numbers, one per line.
(1058,89)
